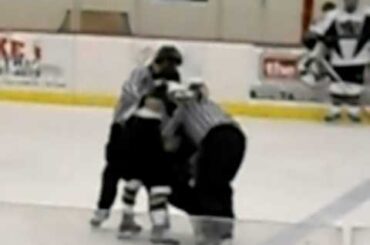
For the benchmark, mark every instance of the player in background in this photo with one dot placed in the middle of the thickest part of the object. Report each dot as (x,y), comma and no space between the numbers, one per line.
(141,81)
(342,36)
(221,146)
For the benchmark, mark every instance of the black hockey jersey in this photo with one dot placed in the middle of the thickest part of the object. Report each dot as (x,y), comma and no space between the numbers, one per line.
(159,91)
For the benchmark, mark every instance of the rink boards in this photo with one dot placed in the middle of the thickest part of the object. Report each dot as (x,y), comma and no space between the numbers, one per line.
(268,109)
(90,70)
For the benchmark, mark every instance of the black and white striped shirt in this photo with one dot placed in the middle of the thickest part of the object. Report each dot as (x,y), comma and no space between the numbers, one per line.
(139,83)
(197,119)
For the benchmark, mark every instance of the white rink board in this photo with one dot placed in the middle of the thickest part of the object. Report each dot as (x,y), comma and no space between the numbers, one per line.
(100,65)
(42,225)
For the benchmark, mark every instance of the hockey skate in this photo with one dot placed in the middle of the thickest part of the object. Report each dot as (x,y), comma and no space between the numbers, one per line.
(331,118)
(228,241)
(100,215)
(128,227)
(160,235)
(354,118)
(208,231)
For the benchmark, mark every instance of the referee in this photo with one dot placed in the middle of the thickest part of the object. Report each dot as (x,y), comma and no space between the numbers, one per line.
(221,145)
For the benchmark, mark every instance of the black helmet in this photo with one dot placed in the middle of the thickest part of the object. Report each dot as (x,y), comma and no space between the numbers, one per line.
(328,6)
(168,53)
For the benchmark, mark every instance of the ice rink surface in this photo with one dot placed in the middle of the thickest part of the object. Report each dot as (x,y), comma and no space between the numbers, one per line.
(53,155)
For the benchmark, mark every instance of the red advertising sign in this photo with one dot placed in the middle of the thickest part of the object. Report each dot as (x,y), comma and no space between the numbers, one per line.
(279,66)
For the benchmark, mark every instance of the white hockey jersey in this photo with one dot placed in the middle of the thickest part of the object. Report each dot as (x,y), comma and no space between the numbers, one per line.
(346,35)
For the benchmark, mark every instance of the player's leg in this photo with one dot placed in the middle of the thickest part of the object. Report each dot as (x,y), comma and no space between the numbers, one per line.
(132,174)
(355,78)
(160,218)
(156,178)
(354,108)
(107,195)
(110,177)
(220,159)
(337,95)
(336,102)
(128,226)
(351,89)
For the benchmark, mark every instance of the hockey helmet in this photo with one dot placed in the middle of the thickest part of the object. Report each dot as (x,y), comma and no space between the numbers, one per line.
(168,53)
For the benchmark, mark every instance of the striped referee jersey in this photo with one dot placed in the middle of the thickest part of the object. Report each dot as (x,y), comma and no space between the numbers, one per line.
(197,118)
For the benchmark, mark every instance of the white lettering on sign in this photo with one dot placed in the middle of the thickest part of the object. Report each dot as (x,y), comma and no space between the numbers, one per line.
(280,67)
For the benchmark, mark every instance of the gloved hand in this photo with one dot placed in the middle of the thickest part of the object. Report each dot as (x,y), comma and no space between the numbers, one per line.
(309,71)
(179,92)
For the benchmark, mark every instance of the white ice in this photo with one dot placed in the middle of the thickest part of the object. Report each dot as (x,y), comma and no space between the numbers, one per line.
(53,155)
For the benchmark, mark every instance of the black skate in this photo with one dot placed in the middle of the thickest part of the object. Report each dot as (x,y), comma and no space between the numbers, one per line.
(128,227)
(332,118)
(228,241)
(355,118)
(99,217)
(160,235)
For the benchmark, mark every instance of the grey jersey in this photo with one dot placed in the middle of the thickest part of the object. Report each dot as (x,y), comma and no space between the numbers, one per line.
(139,83)
(197,118)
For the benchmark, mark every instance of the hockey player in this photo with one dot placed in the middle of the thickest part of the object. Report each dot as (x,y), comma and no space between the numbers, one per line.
(141,81)
(344,33)
(221,145)
(146,165)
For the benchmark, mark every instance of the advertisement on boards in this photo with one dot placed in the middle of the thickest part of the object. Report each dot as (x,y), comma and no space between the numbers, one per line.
(280,78)
(34,61)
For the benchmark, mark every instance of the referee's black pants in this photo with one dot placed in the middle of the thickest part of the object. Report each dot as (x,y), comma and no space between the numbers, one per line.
(220,158)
